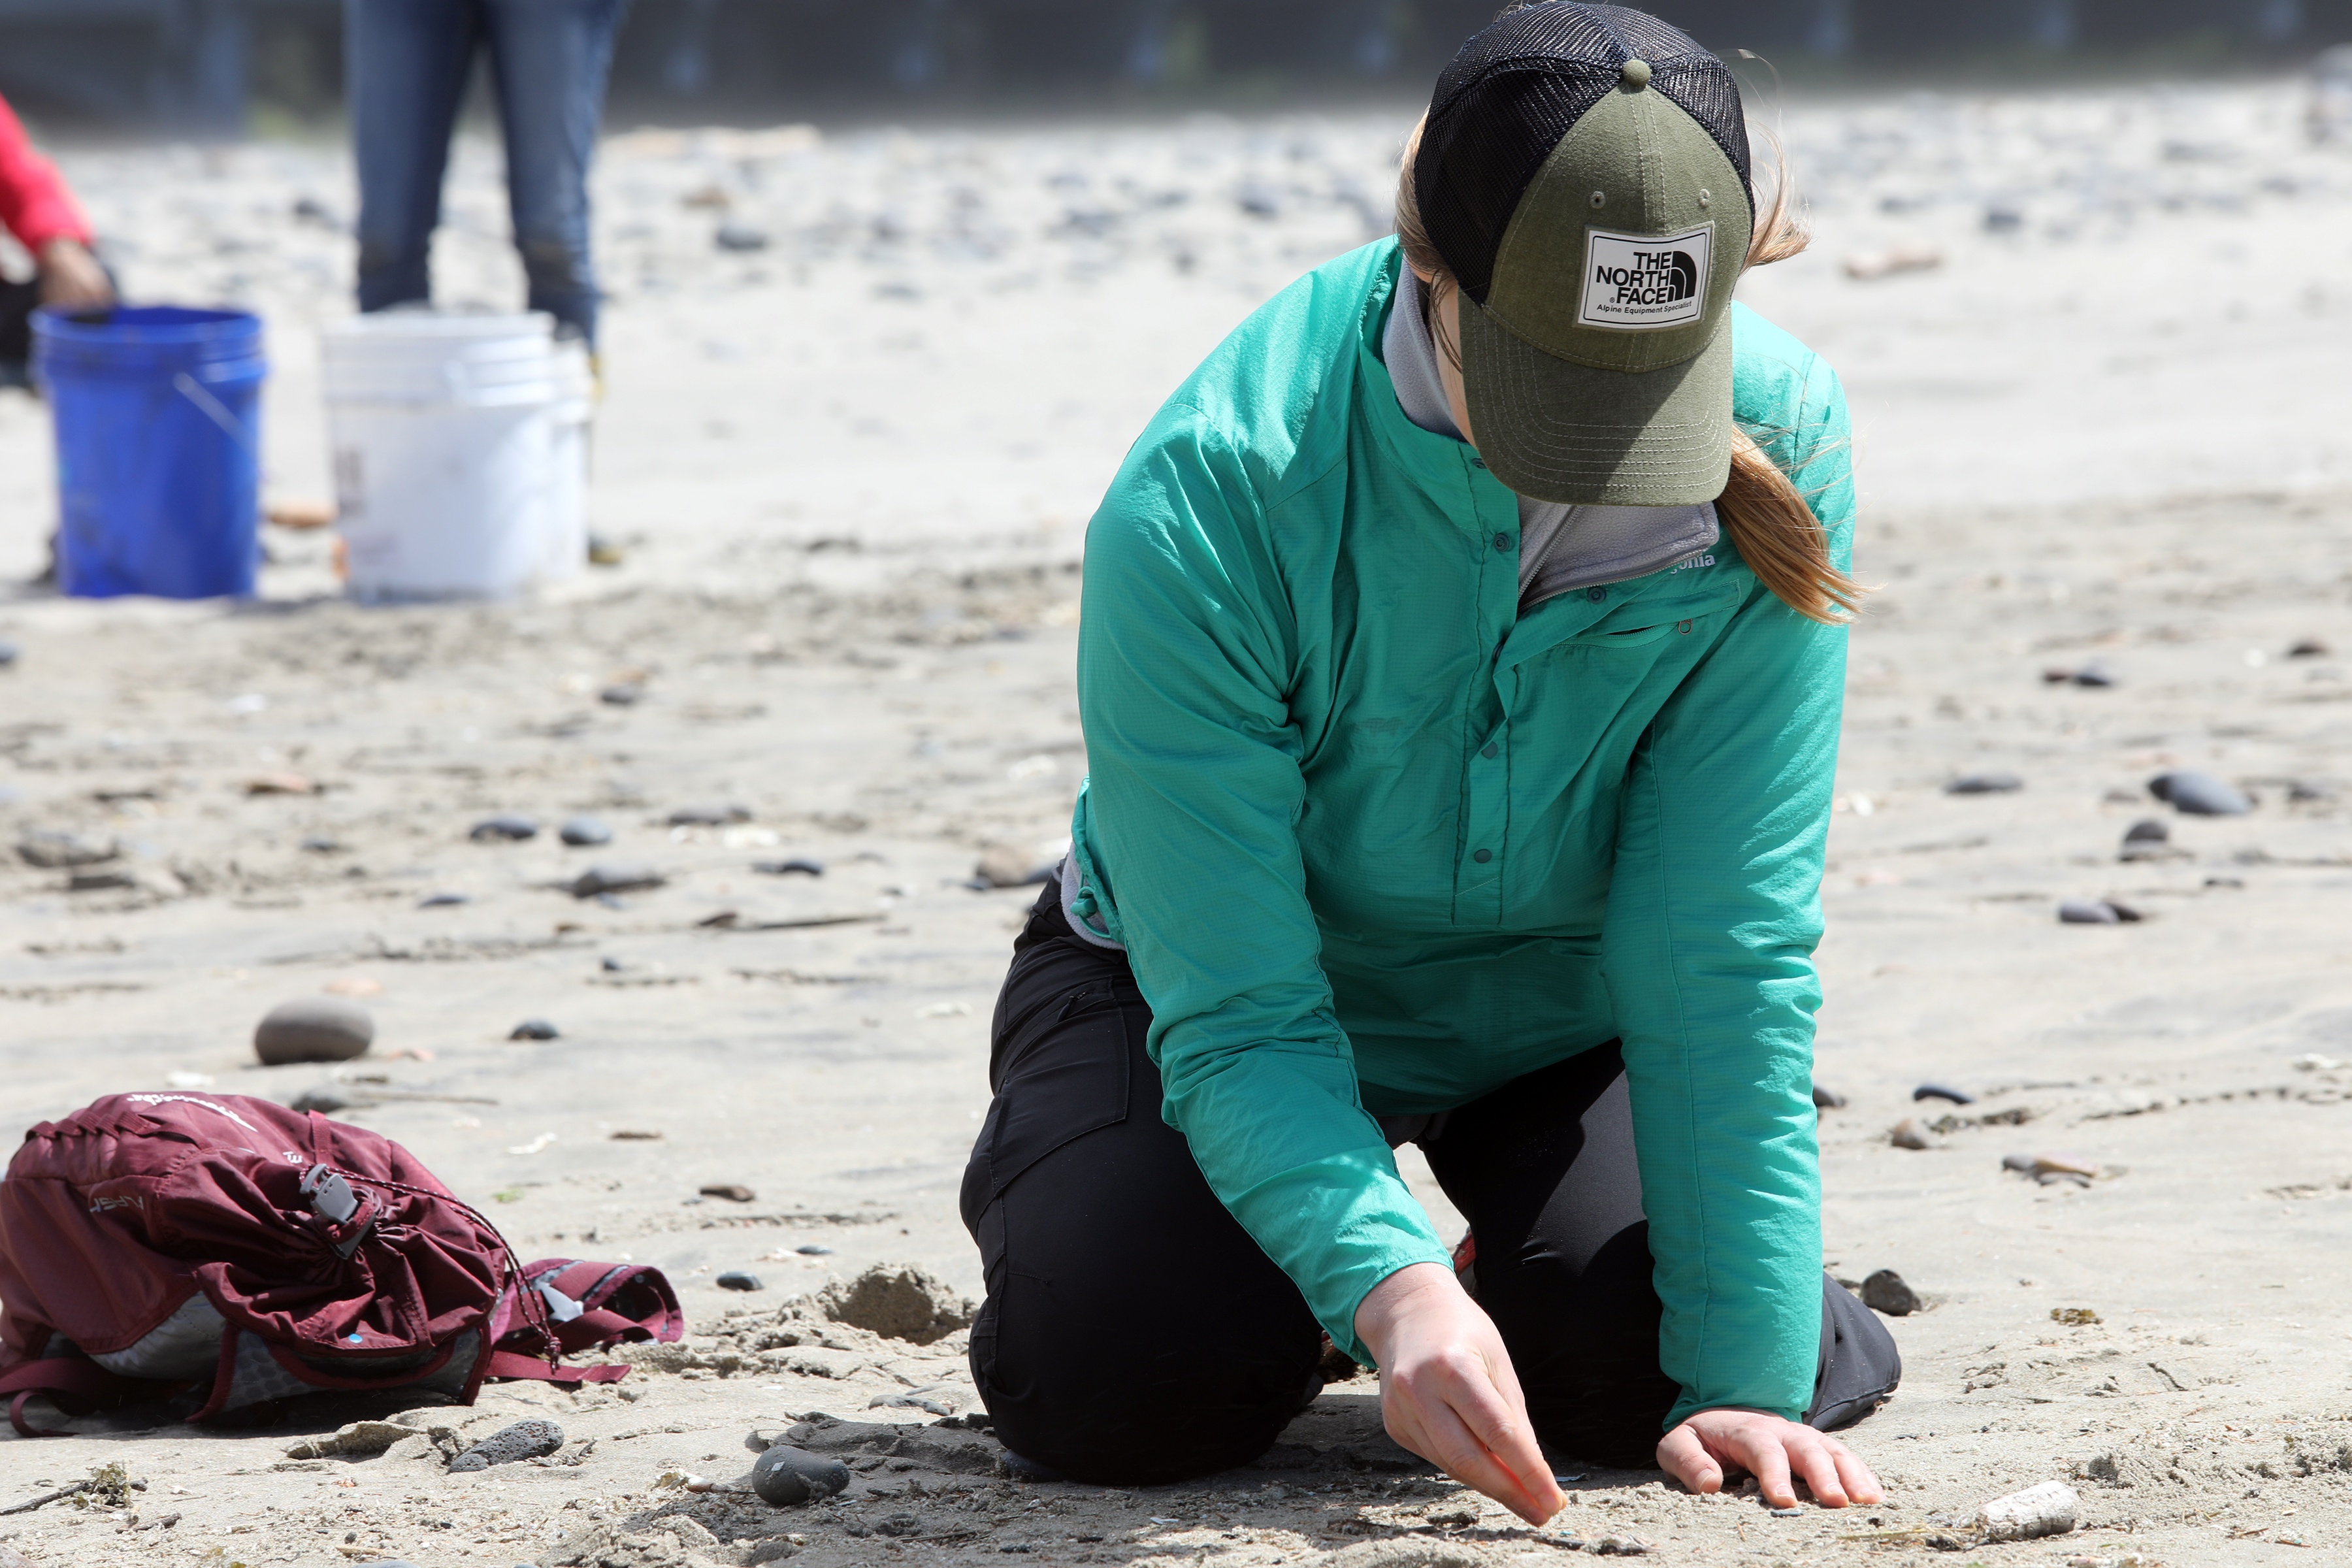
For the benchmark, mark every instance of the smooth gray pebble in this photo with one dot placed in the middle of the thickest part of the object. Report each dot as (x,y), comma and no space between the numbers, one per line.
(534,1029)
(738,1280)
(785,1475)
(313,1029)
(1943,1091)
(583,832)
(2198,794)
(508,826)
(1985,784)
(2087,913)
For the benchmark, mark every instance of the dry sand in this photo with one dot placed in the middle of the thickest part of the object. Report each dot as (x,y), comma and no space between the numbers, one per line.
(851,470)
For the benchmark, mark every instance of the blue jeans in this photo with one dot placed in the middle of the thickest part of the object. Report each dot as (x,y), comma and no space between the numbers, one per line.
(406,63)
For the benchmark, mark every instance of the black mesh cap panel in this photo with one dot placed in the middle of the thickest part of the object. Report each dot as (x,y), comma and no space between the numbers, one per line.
(1515,90)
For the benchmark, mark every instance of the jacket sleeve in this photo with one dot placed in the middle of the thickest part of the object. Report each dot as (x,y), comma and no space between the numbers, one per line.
(1714,913)
(34,205)
(1192,809)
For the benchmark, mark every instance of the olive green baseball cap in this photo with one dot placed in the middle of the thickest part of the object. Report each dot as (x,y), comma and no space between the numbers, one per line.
(1584,174)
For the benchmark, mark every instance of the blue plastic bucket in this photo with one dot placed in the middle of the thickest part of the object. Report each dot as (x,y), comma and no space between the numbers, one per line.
(158,437)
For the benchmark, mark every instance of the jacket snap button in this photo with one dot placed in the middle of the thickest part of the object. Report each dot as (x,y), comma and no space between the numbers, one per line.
(1502,542)
(1482,855)
(1596,595)
(1491,751)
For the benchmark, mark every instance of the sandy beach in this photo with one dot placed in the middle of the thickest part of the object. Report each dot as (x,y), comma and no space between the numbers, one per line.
(849,471)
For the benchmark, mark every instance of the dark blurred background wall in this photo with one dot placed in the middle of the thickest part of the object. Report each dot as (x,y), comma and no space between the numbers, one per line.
(209,67)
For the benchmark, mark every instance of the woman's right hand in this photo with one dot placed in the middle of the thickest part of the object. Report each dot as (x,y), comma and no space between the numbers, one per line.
(1447,1390)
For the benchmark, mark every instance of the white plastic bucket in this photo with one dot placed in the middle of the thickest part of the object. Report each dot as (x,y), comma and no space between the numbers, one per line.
(459,447)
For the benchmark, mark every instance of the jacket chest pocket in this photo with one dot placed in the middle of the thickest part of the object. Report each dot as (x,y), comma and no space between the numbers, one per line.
(1642,623)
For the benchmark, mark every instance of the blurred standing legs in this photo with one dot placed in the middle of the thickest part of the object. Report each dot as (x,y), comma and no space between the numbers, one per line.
(407,66)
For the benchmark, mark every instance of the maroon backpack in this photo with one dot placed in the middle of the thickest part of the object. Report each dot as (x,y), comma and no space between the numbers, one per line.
(157,1243)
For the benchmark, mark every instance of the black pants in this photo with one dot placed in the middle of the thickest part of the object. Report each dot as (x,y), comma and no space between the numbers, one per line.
(1134,1333)
(17,303)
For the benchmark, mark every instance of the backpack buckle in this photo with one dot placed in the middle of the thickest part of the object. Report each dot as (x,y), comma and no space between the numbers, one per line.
(332,1200)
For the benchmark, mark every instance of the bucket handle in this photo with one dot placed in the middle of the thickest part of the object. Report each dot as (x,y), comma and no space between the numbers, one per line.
(215,410)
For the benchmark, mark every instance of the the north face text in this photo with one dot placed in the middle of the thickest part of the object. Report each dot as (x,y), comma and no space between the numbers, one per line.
(1639,281)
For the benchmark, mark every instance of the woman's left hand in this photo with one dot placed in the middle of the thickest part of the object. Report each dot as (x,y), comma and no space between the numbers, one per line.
(1700,1451)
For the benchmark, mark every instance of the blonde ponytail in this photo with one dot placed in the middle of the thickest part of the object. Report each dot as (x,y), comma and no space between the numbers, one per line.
(1769,523)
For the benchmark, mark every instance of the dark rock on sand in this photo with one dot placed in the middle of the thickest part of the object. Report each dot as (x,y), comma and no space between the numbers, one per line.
(1942,1092)
(523,1440)
(1984,783)
(325,1101)
(812,1251)
(53,849)
(786,1476)
(619,877)
(739,236)
(534,1029)
(2308,647)
(322,844)
(509,826)
(444,901)
(2087,913)
(1828,1098)
(2146,839)
(2198,794)
(627,694)
(737,1279)
(1885,1291)
(789,868)
(708,816)
(1908,1134)
(583,832)
(2095,674)
(733,1191)
(313,1029)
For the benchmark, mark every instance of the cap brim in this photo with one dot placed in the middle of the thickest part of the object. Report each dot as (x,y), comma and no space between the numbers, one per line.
(1558,431)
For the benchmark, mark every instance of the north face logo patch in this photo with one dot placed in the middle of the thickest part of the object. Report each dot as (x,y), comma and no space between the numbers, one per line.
(1634,282)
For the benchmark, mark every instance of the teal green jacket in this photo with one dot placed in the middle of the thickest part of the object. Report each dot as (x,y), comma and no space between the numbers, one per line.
(1377,844)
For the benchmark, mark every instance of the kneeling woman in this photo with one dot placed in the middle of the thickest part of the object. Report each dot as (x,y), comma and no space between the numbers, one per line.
(1459,670)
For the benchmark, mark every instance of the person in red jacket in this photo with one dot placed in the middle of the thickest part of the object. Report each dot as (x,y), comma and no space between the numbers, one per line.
(41,213)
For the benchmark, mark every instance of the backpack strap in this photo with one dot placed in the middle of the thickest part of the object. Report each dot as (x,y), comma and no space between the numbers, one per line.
(65,1379)
(515,1364)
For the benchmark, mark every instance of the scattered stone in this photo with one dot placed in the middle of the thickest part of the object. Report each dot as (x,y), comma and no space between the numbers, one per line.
(623,693)
(795,867)
(733,1191)
(708,816)
(1985,784)
(534,1029)
(2088,912)
(358,1437)
(523,1440)
(2305,648)
(322,844)
(325,1101)
(2042,1167)
(101,879)
(2147,839)
(2303,792)
(898,1301)
(2198,794)
(604,552)
(786,1477)
(610,964)
(444,901)
(811,1249)
(510,827)
(739,236)
(1943,1091)
(719,920)
(738,1280)
(1886,1292)
(53,849)
(313,1029)
(2050,1509)
(636,1135)
(1009,866)
(2059,1179)
(2095,674)
(1908,1133)
(8,654)
(618,877)
(281,784)
(1828,1098)
(583,833)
